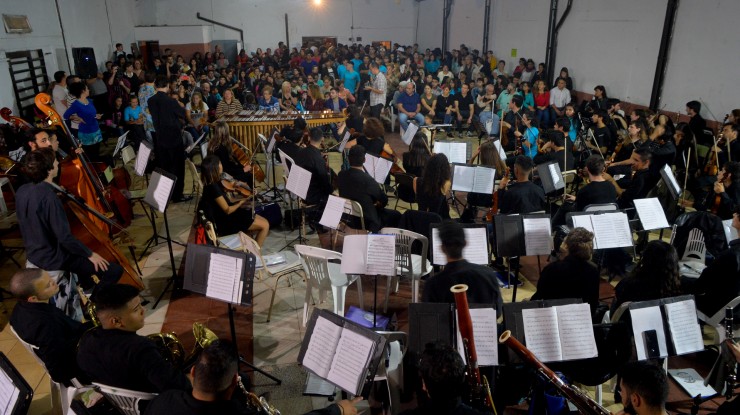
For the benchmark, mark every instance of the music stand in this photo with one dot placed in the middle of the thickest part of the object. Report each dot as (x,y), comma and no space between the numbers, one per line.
(158,196)
(299,179)
(19,392)
(269,151)
(239,284)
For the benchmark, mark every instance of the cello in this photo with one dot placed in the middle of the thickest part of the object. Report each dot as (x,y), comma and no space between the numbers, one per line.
(79,176)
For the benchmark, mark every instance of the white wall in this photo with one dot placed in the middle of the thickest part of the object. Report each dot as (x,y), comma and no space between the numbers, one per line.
(705,58)
(174,35)
(263,21)
(520,25)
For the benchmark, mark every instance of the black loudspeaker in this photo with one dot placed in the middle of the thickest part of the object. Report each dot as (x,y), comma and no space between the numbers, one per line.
(85,64)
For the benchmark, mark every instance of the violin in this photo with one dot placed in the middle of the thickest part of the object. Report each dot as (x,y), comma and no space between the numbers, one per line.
(711,168)
(232,185)
(494,199)
(241,157)
(718,197)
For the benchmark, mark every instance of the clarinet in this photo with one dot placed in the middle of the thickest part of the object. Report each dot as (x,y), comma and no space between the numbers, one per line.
(730,364)
(480,392)
(577,397)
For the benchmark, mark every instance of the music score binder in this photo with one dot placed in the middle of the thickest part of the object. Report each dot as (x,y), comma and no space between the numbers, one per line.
(551,176)
(341,352)
(523,235)
(476,179)
(198,269)
(456,151)
(675,323)
(611,229)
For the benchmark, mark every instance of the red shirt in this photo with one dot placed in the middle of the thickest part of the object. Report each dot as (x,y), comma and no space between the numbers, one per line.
(542,100)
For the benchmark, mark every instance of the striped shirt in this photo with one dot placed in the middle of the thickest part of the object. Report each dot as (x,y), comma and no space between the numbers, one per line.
(380,84)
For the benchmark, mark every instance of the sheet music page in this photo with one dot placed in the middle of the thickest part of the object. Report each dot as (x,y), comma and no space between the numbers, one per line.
(298,181)
(162,188)
(369,164)
(672,179)
(441,147)
(8,393)
(684,327)
(612,230)
(382,168)
(458,153)
(584,221)
(644,319)
(537,237)
(321,346)
(315,385)
(730,232)
(576,331)
(555,175)
(119,144)
(354,254)
(351,358)
(344,141)
(204,149)
(408,135)
(142,158)
(128,154)
(381,255)
(500,148)
(476,250)
(651,213)
(223,275)
(483,180)
(333,212)
(541,333)
(462,178)
(485,336)
(271,145)
(438,257)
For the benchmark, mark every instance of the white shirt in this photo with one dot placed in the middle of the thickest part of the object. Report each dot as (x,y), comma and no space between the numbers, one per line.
(379,83)
(59,96)
(559,98)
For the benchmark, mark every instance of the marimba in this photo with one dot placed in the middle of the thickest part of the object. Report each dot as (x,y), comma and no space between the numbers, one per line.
(245,125)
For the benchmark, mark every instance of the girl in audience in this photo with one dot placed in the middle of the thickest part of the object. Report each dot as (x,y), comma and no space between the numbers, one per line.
(526,92)
(138,70)
(197,114)
(654,277)
(565,75)
(314,99)
(229,218)
(428,101)
(432,188)
(542,103)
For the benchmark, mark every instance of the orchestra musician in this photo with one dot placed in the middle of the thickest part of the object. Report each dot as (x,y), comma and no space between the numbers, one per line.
(522,196)
(724,197)
(311,159)
(489,157)
(432,187)
(643,387)
(290,137)
(355,184)
(47,237)
(418,155)
(639,184)
(620,161)
(512,123)
(221,145)
(557,147)
(229,218)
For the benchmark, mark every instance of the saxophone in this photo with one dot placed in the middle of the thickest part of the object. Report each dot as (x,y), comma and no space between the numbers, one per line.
(480,391)
(257,403)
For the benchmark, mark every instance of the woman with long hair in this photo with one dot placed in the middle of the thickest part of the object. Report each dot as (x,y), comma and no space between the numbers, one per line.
(418,155)
(197,114)
(664,128)
(489,157)
(542,103)
(656,276)
(621,161)
(220,145)
(229,218)
(428,101)
(432,188)
(526,93)
(288,100)
(83,109)
(314,99)
(138,70)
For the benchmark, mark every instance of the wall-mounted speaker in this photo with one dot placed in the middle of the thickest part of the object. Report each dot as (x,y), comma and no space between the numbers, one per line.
(85,64)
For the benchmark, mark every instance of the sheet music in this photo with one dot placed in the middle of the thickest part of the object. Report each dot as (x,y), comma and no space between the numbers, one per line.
(684,327)
(484,180)
(159,190)
(612,230)
(128,154)
(584,221)
(224,273)
(463,178)
(485,336)
(730,233)
(333,212)
(475,251)
(119,144)
(381,255)
(408,135)
(541,333)
(377,167)
(644,319)
(500,148)
(455,152)
(692,382)
(321,346)
(354,252)
(344,141)
(142,158)
(651,213)
(8,393)
(576,331)
(350,360)
(672,179)
(315,385)
(298,181)
(555,175)
(204,149)
(537,237)
(271,145)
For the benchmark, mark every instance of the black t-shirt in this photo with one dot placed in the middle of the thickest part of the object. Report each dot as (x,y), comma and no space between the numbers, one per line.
(226,224)
(444,102)
(372,146)
(595,193)
(603,137)
(291,133)
(522,197)
(464,102)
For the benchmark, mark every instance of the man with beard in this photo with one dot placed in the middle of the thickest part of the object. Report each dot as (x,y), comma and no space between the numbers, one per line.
(644,389)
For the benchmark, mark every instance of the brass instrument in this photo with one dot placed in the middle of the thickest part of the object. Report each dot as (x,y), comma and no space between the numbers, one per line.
(583,402)
(480,392)
(257,403)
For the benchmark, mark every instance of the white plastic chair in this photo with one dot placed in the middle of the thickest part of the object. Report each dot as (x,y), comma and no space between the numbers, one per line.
(292,264)
(325,275)
(694,257)
(62,395)
(601,207)
(125,400)
(197,190)
(390,368)
(717,320)
(408,265)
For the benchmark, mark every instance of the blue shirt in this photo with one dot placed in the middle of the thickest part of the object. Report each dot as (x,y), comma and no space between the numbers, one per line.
(356,63)
(573,130)
(531,134)
(351,79)
(528,99)
(341,70)
(131,114)
(273,105)
(307,65)
(431,66)
(87,113)
(409,102)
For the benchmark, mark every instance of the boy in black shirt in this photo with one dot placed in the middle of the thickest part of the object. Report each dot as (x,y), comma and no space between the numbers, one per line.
(601,133)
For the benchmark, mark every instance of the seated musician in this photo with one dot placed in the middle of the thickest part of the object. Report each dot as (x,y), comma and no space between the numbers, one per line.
(724,198)
(573,276)
(512,122)
(553,146)
(620,161)
(730,135)
(481,280)
(598,190)
(47,237)
(601,133)
(372,138)
(290,137)
(639,185)
(643,389)
(267,102)
(522,196)
(35,138)
(222,146)
(311,159)
(215,383)
(114,355)
(355,184)
(442,373)
(229,218)
(418,155)
(45,326)
(432,187)
(719,283)
(489,157)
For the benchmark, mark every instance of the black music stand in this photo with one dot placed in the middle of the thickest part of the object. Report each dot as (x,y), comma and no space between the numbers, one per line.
(277,194)
(158,196)
(11,382)
(197,275)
